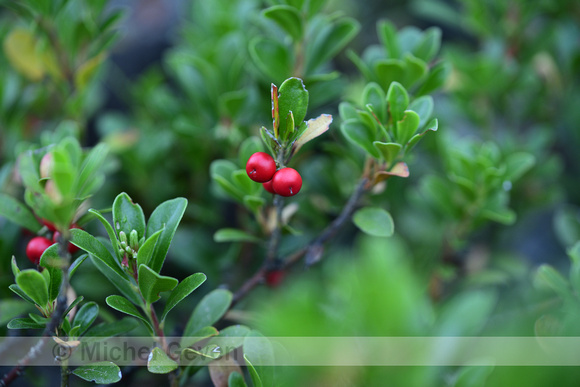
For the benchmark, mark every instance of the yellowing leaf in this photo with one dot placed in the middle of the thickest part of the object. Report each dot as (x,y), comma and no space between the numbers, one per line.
(400,169)
(20,49)
(314,128)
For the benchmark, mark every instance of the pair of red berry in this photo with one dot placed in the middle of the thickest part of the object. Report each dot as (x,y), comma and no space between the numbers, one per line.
(261,168)
(37,245)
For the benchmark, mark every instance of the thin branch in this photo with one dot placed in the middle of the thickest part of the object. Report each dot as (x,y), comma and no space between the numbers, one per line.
(313,250)
(51,328)
(277,232)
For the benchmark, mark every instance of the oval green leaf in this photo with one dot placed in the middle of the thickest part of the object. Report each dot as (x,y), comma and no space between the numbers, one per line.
(374,221)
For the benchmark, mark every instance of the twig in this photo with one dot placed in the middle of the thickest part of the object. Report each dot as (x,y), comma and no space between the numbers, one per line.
(277,232)
(51,327)
(314,247)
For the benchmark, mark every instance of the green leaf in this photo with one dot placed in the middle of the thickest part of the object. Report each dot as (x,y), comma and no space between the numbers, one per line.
(293,97)
(423,106)
(125,306)
(272,58)
(24,323)
(374,221)
(360,65)
(18,213)
(145,251)
(210,352)
(360,134)
(574,275)
(184,289)
(435,189)
(253,373)
(33,284)
(329,39)
(288,19)
(258,351)
(120,282)
(388,71)
(243,182)
(77,301)
(122,326)
(415,70)
(347,111)
(109,229)
(128,216)
(375,96)
(20,293)
(431,127)
(389,150)
(165,217)
(407,127)
(475,307)
(234,235)
(236,380)
(248,147)
(89,179)
(398,100)
(10,308)
(270,141)
(290,126)
(254,203)
(52,262)
(104,261)
(86,72)
(517,164)
(231,103)
(500,215)
(14,265)
(151,284)
(473,376)
(76,264)
(201,334)
(103,372)
(567,225)
(574,252)
(436,78)
(209,310)
(429,45)
(159,362)
(388,36)
(314,128)
(230,337)
(91,245)
(547,276)
(86,316)
(64,171)
(29,172)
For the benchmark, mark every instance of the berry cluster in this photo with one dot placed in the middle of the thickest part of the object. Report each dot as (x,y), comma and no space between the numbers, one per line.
(262,168)
(38,244)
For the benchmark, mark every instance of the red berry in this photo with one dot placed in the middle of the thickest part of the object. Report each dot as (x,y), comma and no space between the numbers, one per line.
(261,167)
(268,186)
(274,278)
(287,182)
(36,247)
